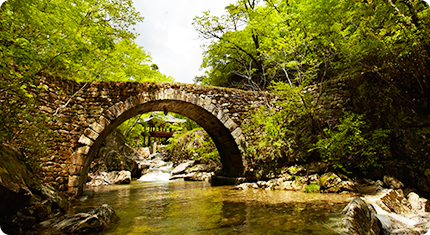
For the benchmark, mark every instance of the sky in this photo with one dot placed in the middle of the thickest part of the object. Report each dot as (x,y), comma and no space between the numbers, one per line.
(168,35)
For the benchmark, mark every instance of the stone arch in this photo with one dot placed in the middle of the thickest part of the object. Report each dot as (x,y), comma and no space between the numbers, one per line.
(225,133)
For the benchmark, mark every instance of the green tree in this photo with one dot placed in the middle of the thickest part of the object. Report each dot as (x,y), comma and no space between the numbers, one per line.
(80,40)
(233,58)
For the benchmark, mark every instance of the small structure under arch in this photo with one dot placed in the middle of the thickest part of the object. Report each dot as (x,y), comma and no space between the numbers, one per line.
(158,132)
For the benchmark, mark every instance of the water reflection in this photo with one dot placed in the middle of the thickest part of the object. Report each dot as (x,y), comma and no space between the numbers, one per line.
(196,208)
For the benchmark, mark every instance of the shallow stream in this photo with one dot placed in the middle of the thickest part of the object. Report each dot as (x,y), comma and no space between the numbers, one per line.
(181,207)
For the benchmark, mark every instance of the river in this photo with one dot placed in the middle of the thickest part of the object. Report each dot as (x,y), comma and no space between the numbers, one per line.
(182,207)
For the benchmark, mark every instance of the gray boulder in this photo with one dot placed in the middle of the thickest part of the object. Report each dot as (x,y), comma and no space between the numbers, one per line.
(181,168)
(95,221)
(118,177)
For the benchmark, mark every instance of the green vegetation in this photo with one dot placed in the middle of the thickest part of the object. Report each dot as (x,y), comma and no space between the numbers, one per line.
(352,145)
(379,49)
(279,131)
(81,40)
(193,144)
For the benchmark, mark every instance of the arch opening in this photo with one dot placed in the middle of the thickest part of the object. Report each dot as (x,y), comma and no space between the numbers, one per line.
(218,126)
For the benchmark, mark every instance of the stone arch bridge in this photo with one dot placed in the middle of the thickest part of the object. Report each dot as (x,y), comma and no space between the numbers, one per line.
(85,113)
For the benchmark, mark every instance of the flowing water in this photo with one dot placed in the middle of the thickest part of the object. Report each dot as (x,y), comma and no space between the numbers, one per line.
(181,207)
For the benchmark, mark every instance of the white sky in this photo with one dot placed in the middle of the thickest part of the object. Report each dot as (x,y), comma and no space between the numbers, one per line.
(168,35)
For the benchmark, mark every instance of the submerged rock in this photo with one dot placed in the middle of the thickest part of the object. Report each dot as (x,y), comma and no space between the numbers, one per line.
(95,221)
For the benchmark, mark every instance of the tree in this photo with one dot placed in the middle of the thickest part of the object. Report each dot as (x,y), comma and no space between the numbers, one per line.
(80,40)
(233,57)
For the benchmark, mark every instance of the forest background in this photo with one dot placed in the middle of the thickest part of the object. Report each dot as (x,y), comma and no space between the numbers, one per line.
(378,49)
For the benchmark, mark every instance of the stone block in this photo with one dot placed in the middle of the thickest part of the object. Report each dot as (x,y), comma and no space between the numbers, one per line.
(104,122)
(83,150)
(91,134)
(236,133)
(230,125)
(75,169)
(77,159)
(121,107)
(73,181)
(134,101)
(85,140)
(48,179)
(96,127)
(127,105)
(115,111)
(108,114)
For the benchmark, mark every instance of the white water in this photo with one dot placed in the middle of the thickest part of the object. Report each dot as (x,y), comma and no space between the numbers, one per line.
(158,174)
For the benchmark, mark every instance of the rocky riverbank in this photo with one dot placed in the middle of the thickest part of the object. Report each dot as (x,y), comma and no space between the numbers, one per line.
(383,206)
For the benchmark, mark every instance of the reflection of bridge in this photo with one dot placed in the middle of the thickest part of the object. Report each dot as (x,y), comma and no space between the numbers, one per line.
(100,107)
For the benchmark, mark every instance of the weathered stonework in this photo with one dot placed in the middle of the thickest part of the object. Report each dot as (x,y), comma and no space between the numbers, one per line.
(82,122)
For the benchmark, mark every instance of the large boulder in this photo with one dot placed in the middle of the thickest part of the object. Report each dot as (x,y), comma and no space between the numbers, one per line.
(116,155)
(397,214)
(116,161)
(95,221)
(118,177)
(360,218)
(25,200)
(15,180)
(181,168)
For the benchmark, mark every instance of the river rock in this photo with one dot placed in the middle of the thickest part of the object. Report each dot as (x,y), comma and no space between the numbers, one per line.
(181,168)
(244,186)
(360,218)
(198,176)
(118,162)
(144,152)
(118,177)
(392,182)
(394,201)
(329,182)
(316,167)
(417,203)
(95,221)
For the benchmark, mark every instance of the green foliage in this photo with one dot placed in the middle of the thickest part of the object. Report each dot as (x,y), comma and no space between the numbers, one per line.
(194,144)
(80,40)
(313,187)
(279,132)
(352,145)
(83,40)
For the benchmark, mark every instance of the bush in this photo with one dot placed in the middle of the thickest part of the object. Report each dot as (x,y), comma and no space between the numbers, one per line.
(278,133)
(351,145)
(194,144)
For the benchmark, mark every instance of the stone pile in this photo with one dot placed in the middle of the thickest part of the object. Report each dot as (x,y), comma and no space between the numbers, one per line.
(308,179)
